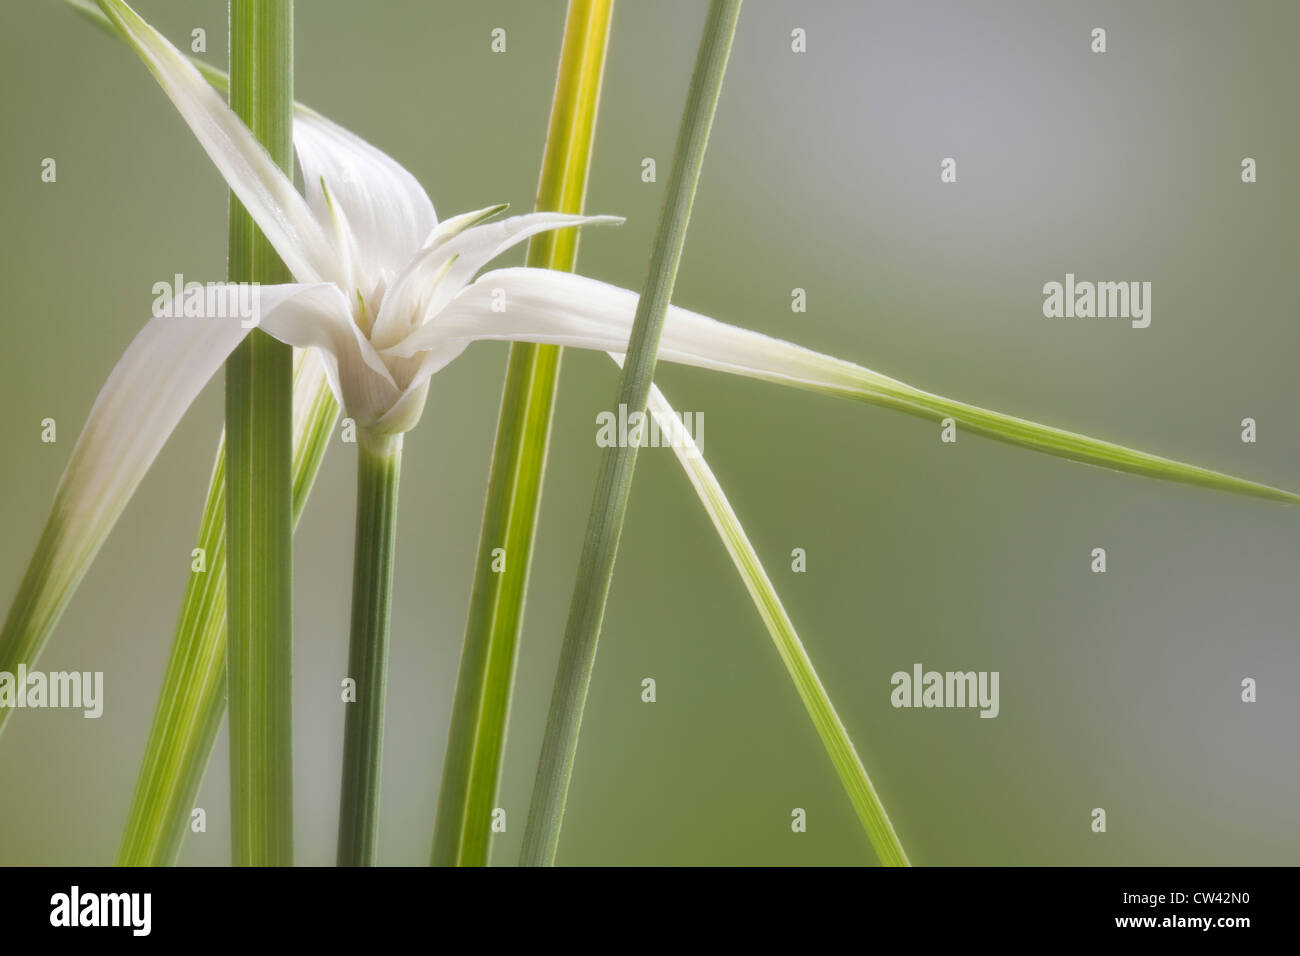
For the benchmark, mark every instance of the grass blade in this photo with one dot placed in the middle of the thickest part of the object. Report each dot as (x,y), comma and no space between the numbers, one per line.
(379,466)
(788,364)
(476,740)
(89,10)
(259,480)
(844,757)
(192,702)
(605,525)
(864,386)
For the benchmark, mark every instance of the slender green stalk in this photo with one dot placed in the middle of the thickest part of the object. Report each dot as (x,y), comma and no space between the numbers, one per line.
(379,465)
(476,740)
(192,702)
(844,757)
(259,474)
(614,484)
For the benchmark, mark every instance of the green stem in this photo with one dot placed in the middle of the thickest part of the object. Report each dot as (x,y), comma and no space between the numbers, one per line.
(379,465)
(476,740)
(259,478)
(614,483)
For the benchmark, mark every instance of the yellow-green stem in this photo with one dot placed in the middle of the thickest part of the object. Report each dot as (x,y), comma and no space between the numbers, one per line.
(476,740)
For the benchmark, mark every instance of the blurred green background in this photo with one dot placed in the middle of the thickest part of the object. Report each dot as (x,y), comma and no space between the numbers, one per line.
(1119,691)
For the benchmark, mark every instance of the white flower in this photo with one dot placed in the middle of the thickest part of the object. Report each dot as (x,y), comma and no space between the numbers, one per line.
(384,294)
(385,290)
(386,297)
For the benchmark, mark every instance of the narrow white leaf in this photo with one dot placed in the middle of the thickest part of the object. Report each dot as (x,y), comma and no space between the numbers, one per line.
(562,309)
(265,191)
(149,390)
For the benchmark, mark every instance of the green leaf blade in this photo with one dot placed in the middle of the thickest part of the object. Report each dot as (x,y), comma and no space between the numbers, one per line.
(835,739)
(191,703)
(851,381)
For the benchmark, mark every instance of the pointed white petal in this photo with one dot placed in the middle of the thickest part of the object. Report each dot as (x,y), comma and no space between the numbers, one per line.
(415,297)
(406,411)
(564,309)
(357,374)
(266,192)
(450,228)
(410,297)
(347,274)
(388,211)
(422,274)
(156,380)
(559,308)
